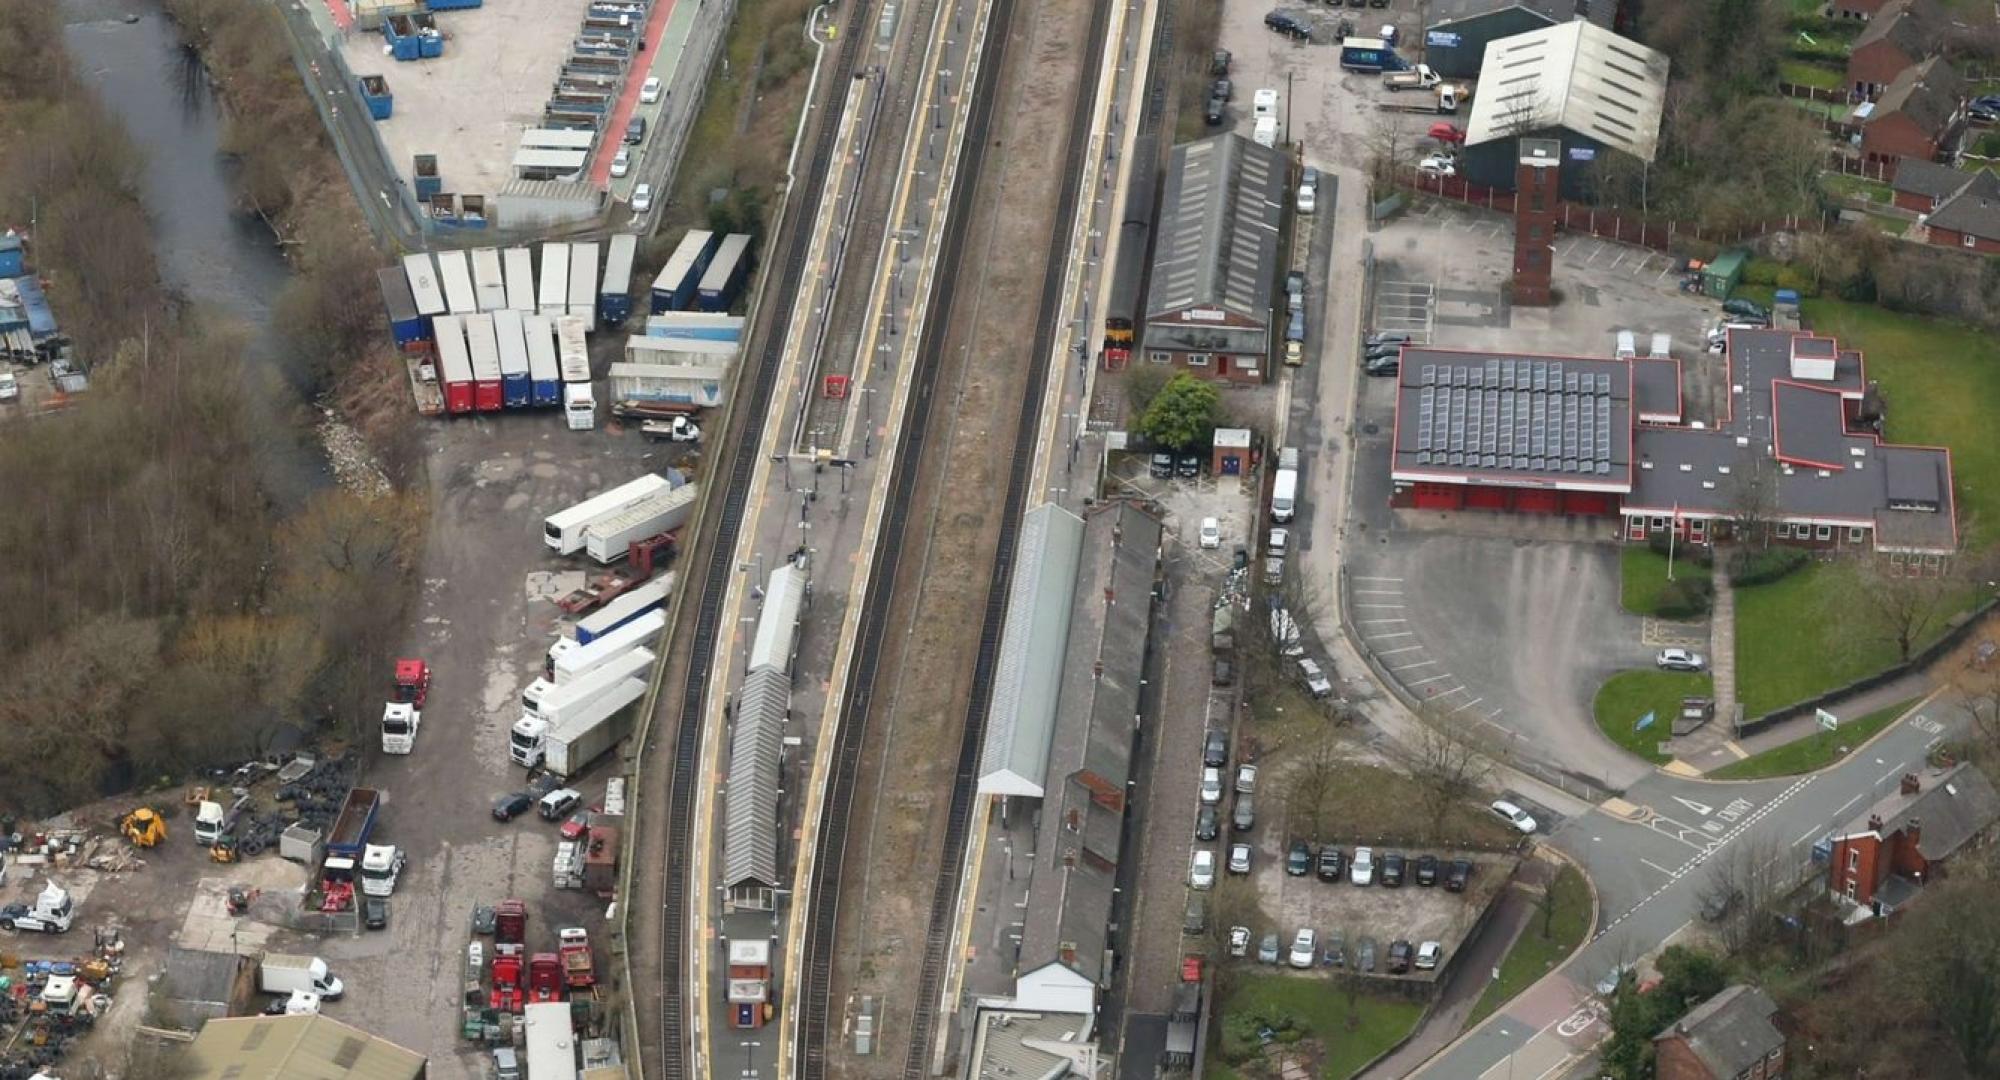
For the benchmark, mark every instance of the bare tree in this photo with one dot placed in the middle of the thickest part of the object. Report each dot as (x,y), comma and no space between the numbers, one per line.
(1878,606)
(1973,673)
(1948,957)
(1742,882)
(1753,499)
(1309,790)
(1449,762)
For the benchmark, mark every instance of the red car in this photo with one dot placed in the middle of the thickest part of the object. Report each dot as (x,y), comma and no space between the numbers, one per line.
(577,825)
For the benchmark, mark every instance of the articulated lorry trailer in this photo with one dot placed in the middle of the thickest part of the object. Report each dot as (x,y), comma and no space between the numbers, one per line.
(565,747)
(608,539)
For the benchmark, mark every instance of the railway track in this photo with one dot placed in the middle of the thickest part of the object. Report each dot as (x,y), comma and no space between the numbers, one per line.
(818,953)
(754,400)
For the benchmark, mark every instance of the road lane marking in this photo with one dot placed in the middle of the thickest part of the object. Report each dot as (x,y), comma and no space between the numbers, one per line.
(1432,678)
(1658,867)
(1467,705)
(1405,648)
(1399,633)
(1414,665)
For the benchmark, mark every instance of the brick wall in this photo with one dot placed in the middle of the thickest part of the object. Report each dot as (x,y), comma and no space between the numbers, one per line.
(1875,65)
(1950,239)
(1854,861)
(1896,136)
(1675,1060)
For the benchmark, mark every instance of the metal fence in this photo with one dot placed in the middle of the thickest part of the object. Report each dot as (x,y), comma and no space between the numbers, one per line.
(1623,226)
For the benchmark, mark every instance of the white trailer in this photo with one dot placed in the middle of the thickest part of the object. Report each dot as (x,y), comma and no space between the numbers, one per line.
(424,289)
(607,539)
(572,352)
(567,659)
(552,701)
(484,345)
(583,283)
(457,281)
(571,745)
(555,279)
(563,530)
(489,281)
(551,1043)
(520,265)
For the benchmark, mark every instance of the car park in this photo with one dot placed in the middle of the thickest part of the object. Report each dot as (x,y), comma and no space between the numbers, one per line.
(1201,869)
(1211,786)
(1305,947)
(1215,748)
(1364,954)
(1317,684)
(1400,955)
(1161,465)
(1299,860)
(1222,671)
(1680,660)
(1513,815)
(1393,866)
(1244,817)
(1361,869)
(512,805)
(1459,873)
(1246,779)
(1211,533)
(1428,955)
(1427,870)
(1207,823)
(1239,858)
(642,198)
(1239,941)
(1331,862)
(621,162)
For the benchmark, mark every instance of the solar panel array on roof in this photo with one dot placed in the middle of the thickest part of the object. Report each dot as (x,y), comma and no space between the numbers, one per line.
(1520,415)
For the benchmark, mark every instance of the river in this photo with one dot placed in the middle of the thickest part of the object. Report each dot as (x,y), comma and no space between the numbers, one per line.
(209,252)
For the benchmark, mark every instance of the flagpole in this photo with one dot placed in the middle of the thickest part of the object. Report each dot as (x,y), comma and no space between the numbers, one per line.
(1673,531)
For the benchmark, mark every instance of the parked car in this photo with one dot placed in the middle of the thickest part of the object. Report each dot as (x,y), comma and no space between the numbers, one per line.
(1317,684)
(1246,779)
(1336,949)
(557,804)
(1280,541)
(1400,954)
(649,91)
(1513,815)
(1387,337)
(375,912)
(1239,858)
(1218,62)
(1748,309)
(1288,25)
(1438,165)
(1427,870)
(1188,466)
(1267,949)
(1331,862)
(1223,88)
(1985,114)
(1215,111)
(576,826)
(1388,365)
(1361,869)
(512,805)
(1308,197)
(1305,947)
(1299,860)
(1295,290)
(1244,817)
(1681,660)
(1215,748)
(1456,877)
(1201,869)
(1161,465)
(1207,823)
(642,198)
(635,131)
(1239,941)
(1285,633)
(1222,672)
(621,162)
(1211,785)
(1393,865)
(1211,532)
(1428,955)
(10,387)
(1364,954)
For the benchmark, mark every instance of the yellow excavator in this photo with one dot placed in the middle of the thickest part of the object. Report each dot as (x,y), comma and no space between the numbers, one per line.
(144,827)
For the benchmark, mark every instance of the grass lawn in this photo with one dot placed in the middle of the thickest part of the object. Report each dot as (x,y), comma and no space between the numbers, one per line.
(1533,955)
(1894,226)
(1815,751)
(1643,573)
(1939,379)
(1803,74)
(1857,187)
(1316,1009)
(1629,695)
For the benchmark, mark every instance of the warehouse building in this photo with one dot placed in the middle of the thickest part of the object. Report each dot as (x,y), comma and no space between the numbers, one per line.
(297,1048)
(1215,264)
(1460,30)
(1592,91)
(1796,450)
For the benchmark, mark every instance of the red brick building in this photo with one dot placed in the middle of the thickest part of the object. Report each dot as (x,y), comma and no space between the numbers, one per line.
(1918,116)
(1727,1037)
(1883,858)
(1923,186)
(1901,34)
(1970,219)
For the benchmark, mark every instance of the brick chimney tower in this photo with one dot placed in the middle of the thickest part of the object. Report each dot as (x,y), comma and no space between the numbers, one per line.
(1535,201)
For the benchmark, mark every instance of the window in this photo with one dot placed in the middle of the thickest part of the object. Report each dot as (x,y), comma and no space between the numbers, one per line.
(1969,240)
(1850,888)
(1826,532)
(1197,359)
(1160,356)
(1659,523)
(1854,858)
(1783,529)
(1856,534)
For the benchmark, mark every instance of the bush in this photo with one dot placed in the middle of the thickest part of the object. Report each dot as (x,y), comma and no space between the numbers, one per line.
(1748,568)
(1699,554)
(1685,598)
(1794,279)
(1761,271)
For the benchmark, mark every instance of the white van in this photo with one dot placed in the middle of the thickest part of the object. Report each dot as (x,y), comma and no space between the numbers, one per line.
(1285,495)
(1266,133)
(1264,103)
(1628,347)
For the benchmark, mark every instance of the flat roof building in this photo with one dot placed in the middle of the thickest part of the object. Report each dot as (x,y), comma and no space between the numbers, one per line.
(296,1048)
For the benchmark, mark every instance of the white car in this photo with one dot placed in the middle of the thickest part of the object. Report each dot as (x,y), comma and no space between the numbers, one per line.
(1438,165)
(1239,941)
(1513,815)
(621,162)
(1308,199)
(1681,660)
(1201,871)
(1361,868)
(1239,858)
(1305,947)
(1316,681)
(1428,955)
(1246,779)
(649,91)
(1211,786)
(1280,542)
(642,198)
(10,388)
(1211,532)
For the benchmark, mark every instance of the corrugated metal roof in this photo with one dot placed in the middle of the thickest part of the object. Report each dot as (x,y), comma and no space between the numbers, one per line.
(1218,242)
(297,1048)
(750,801)
(1020,720)
(1576,76)
(778,624)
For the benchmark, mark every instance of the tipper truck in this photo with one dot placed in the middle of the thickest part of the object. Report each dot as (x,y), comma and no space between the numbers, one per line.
(608,539)
(349,836)
(566,747)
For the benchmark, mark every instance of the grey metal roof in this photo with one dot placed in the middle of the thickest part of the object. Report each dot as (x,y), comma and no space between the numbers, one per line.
(1928,178)
(750,799)
(1601,12)
(1014,1044)
(1494,415)
(1576,76)
(296,1048)
(778,622)
(1078,845)
(1974,210)
(1020,719)
(1218,240)
(1731,1031)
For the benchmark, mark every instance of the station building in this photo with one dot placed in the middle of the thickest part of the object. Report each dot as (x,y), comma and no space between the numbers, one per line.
(1796,450)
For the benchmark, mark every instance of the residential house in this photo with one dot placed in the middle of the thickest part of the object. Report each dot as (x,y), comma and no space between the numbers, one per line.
(1970,219)
(1858,10)
(1917,116)
(1728,1037)
(1923,186)
(1904,33)
(1883,857)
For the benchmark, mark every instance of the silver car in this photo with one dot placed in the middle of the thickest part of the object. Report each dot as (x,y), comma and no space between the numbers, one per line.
(1316,681)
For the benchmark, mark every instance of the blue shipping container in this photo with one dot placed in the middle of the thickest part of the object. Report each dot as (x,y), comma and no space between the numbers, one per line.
(375,91)
(614,296)
(673,289)
(452,5)
(11,256)
(725,273)
(41,318)
(404,322)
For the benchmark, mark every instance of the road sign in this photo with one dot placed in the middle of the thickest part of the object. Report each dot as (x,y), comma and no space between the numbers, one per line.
(1827,720)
